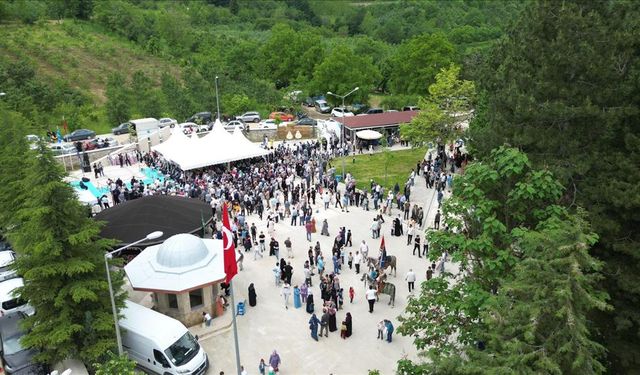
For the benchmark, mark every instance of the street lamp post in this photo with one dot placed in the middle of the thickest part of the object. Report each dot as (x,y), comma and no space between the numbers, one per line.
(217,100)
(342,130)
(107,256)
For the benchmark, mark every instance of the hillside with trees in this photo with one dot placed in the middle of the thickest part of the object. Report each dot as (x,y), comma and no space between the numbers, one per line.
(101,63)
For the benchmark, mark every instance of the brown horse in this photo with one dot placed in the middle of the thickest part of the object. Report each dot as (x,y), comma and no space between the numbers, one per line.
(390,262)
(381,288)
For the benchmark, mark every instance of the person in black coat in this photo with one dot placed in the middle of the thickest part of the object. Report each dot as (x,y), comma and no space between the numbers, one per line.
(310,305)
(397,226)
(252,295)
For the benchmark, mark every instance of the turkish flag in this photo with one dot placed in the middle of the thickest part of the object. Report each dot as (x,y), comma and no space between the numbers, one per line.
(382,244)
(230,265)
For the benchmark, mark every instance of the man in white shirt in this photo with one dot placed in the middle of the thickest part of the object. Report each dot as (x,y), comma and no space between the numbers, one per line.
(371,297)
(411,279)
(364,250)
(357,260)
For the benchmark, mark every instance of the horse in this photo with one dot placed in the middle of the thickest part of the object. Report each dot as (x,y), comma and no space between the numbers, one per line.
(387,288)
(368,281)
(390,290)
(391,262)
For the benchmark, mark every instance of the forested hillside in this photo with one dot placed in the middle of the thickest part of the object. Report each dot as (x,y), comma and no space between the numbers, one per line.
(114,60)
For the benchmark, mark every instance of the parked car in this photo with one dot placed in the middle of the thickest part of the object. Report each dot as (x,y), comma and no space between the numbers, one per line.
(79,135)
(322,106)
(90,145)
(410,108)
(165,121)
(121,129)
(191,127)
(32,138)
(9,302)
(358,108)
(202,118)
(99,143)
(283,116)
(372,111)
(308,102)
(232,125)
(16,358)
(307,121)
(341,112)
(249,117)
(107,142)
(62,148)
(7,258)
(264,125)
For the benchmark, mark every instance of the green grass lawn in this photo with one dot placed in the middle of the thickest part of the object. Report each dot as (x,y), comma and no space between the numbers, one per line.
(367,167)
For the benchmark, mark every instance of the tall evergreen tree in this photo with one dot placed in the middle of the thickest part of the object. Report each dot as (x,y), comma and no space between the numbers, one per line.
(13,153)
(563,87)
(61,260)
(499,212)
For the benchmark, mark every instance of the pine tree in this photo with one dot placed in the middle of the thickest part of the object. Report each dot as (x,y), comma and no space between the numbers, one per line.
(539,322)
(563,87)
(61,258)
(13,153)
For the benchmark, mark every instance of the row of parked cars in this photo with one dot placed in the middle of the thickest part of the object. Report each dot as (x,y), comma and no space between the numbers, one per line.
(17,359)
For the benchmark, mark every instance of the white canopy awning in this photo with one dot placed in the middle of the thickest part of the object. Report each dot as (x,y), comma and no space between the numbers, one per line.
(217,147)
(368,135)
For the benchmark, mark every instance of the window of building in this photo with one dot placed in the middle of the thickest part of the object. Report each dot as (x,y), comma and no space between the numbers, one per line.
(173,301)
(195,298)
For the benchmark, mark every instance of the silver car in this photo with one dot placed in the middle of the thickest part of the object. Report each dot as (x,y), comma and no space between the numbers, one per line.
(249,117)
(7,258)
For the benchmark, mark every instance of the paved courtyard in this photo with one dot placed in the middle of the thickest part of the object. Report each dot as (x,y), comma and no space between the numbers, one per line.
(270,326)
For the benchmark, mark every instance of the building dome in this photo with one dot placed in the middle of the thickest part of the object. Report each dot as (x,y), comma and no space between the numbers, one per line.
(181,250)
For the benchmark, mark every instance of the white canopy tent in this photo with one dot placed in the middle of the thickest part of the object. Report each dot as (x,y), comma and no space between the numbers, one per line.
(176,140)
(368,135)
(217,147)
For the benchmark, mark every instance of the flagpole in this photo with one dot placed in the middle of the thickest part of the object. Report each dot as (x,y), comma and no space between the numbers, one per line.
(231,269)
(235,327)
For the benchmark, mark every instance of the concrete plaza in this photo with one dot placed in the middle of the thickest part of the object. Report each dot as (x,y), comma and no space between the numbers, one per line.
(269,325)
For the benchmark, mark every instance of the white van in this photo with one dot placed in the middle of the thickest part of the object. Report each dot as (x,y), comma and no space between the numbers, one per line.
(322,106)
(144,126)
(9,302)
(159,343)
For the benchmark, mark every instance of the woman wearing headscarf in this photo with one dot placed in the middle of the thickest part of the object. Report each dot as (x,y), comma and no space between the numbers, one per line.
(333,323)
(296,297)
(349,324)
(310,306)
(313,326)
(325,228)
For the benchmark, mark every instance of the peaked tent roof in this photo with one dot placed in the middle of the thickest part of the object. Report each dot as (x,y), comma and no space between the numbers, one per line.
(176,139)
(217,147)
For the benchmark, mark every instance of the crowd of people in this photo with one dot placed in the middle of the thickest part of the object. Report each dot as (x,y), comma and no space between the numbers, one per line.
(290,186)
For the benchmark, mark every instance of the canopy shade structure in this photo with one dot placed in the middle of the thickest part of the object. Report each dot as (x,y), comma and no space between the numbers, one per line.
(176,140)
(134,219)
(368,135)
(217,147)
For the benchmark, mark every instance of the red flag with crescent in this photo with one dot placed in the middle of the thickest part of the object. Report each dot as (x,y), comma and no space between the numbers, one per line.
(230,265)
(382,244)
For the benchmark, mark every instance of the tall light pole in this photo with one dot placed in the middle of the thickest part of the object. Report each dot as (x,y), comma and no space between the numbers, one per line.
(342,133)
(217,100)
(107,256)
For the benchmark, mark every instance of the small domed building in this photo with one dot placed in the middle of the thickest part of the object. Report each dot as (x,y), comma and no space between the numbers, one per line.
(182,273)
